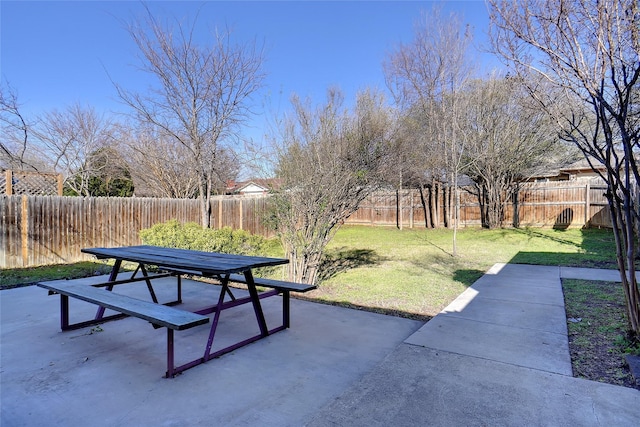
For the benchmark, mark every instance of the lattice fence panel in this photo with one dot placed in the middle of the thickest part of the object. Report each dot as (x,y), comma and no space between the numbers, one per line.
(29,183)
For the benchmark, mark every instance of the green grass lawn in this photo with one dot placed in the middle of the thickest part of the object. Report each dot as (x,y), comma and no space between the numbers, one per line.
(413,273)
(14,277)
(410,272)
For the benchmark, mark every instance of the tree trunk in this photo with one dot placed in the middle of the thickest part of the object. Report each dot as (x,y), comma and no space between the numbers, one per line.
(427,214)
(303,267)
(435,211)
(398,209)
(516,207)
(446,205)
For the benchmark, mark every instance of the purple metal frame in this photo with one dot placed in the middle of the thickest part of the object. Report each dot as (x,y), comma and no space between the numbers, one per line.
(254,298)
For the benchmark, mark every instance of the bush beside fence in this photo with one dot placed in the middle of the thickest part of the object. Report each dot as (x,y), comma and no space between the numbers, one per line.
(37,230)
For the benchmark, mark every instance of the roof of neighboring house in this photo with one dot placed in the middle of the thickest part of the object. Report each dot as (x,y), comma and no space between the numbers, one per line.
(582,165)
(579,167)
(264,185)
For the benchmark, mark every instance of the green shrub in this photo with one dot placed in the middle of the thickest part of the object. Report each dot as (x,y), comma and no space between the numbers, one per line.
(192,236)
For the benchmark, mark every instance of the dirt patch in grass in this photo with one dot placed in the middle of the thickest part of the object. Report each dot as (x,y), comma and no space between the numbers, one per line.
(598,339)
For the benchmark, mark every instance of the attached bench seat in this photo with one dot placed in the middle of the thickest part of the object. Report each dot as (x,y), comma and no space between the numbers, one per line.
(275,284)
(157,314)
(268,283)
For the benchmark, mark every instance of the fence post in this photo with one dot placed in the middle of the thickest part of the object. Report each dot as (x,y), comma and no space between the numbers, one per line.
(587,204)
(60,184)
(411,196)
(25,231)
(9,182)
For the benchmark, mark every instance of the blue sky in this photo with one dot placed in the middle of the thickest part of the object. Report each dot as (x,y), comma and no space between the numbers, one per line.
(56,53)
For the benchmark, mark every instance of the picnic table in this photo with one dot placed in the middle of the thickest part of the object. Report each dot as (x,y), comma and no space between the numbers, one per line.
(226,268)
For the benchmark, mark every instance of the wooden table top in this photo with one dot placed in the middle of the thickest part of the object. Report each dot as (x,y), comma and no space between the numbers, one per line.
(197,262)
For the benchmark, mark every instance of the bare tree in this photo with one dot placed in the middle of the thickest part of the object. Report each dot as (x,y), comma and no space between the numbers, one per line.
(508,141)
(15,132)
(202,95)
(588,50)
(406,164)
(423,76)
(68,138)
(162,167)
(328,159)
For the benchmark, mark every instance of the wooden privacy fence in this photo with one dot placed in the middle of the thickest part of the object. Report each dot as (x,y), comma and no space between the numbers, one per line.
(37,230)
(554,204)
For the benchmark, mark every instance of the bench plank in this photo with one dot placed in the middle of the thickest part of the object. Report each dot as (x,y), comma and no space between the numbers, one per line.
(155,313)
(272,283)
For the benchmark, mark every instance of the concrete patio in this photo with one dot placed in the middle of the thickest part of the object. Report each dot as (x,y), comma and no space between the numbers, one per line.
(498,355)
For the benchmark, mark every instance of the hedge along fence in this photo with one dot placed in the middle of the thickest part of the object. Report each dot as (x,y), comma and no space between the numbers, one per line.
(37,230)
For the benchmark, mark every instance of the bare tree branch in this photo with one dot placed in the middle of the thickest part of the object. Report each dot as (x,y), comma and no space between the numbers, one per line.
(14,135)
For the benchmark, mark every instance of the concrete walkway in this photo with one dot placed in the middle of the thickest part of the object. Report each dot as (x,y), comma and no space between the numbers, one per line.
(497,355)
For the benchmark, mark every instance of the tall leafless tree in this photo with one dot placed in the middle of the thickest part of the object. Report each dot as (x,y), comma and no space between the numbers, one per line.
(202,93)
(589,51)
(424,75)
(328,160)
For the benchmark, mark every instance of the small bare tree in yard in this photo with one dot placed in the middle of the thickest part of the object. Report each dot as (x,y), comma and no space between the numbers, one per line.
(590,52)
(328,159)
(424,77)
(162,167)
(202,95)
